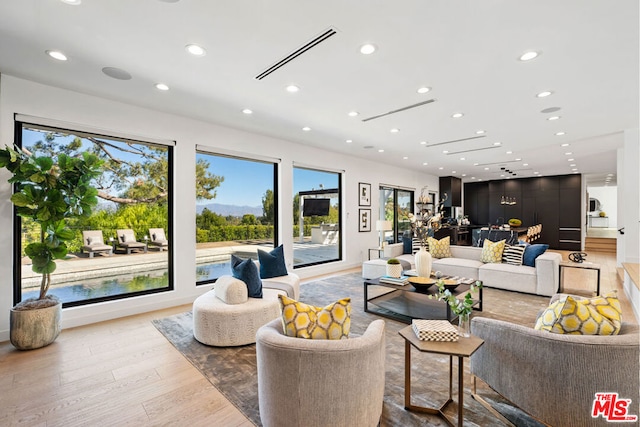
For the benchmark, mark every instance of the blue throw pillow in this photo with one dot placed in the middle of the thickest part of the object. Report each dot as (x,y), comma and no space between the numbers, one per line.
(406,242)
(247,271)
(272,263)
(532,252)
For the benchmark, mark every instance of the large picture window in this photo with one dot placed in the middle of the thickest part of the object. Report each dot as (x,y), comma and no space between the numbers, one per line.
(235,213)
(134,193)
(317,221)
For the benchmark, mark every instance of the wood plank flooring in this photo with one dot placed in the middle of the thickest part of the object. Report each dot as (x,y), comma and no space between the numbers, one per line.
(124,372)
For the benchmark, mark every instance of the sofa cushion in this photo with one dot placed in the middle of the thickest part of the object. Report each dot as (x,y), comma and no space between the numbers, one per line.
(300,320)
(513,254)
(231,290)
(582,316)
(492,251)
(247,271)
(532,252)
(439,248)
(272,263)
(457,267)
(517,278)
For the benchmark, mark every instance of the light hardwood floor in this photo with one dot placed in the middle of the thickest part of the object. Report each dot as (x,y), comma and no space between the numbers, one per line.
(124,372)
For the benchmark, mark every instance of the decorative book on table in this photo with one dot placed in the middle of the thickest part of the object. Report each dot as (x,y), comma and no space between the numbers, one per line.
(402,280)
(434,330)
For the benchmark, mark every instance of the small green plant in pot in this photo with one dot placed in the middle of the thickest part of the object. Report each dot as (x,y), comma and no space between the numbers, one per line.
(49,191)
(394,268)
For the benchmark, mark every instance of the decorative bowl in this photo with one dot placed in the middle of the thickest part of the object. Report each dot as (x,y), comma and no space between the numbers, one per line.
(421,284)
(451,284)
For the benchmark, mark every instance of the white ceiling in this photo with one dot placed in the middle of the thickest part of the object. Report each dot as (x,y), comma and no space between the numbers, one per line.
(466,51)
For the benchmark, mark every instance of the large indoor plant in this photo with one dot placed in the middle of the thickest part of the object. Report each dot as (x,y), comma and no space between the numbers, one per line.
(48,191)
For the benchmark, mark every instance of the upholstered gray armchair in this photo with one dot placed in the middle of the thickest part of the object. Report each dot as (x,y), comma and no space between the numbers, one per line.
(315,383)
(555,377)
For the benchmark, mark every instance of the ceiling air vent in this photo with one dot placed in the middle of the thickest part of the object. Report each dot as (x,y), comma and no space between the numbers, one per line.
(408,107)
(293,55)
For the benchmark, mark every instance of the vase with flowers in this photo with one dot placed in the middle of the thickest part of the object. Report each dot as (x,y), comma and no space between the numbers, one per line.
(460,307)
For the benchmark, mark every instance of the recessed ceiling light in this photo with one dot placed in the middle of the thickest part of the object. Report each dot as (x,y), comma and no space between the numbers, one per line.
(462,158)
(247,111)
(72,2)
(536,173)
(544,94)
(405,157)
(445,151)
(56,54)
(568,153)
(518,159)
(528,56)
(553,118)
(423,142)
(497,143)
(353,113)
(525,164)
(394,130)
(475,164)
(424,89)
(566,144)
(162,86)
(609,174)
(509,152)
(457,115)
(570,160)
(367,49)
(196,50)
(381,151)
(292,88)
(440,168)
(501,175)
(560,134)
(306,128)
(574,169)
(453,172)
(349,141)
(572,165)
(425,163)
(480,132)
(486,169)
(473,177)
(464,174)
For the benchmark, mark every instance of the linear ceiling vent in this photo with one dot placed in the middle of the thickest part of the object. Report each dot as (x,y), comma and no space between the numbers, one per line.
(408,107)
(293,55)
(454,140)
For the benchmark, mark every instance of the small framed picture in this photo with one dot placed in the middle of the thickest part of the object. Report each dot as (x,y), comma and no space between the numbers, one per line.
(364,220)
(364,192)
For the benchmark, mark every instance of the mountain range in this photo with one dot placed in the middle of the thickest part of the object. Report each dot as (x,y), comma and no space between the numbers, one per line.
(233,210)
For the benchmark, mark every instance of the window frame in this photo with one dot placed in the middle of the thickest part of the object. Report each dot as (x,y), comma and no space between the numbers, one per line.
(394,221)
(20,122)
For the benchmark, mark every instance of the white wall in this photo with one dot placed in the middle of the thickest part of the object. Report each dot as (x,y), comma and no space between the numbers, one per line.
(29,98)
(608,197)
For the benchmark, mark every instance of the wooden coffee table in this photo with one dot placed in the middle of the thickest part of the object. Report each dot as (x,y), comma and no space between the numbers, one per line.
(462,348)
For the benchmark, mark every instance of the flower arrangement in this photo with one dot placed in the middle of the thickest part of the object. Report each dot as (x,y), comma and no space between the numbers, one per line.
(461,307)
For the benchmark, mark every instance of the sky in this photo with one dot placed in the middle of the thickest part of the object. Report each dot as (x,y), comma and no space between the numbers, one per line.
(245,182)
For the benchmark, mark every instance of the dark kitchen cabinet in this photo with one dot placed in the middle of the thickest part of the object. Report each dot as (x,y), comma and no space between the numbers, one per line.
(453,187)
(553,201)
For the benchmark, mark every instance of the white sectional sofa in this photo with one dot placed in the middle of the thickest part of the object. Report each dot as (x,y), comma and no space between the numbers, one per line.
(543,279)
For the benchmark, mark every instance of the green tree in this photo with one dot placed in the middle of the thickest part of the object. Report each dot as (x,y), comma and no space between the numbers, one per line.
(249,219)
(268,207)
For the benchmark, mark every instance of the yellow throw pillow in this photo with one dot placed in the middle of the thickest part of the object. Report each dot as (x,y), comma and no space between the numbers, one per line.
(300,320)
(439,248)
(492,251)
(595,316)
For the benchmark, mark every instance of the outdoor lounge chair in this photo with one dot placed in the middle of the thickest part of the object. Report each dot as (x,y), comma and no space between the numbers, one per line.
(92,242)
(127,240)
(158,239)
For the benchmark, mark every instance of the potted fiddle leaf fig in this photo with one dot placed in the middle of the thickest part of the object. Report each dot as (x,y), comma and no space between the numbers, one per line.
(47,191)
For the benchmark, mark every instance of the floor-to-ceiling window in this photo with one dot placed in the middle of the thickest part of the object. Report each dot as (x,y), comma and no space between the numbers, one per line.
(395,206)
(317,229)
(236,211)
(134,199)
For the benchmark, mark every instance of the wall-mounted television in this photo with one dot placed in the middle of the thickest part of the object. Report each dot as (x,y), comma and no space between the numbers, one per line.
(315,207)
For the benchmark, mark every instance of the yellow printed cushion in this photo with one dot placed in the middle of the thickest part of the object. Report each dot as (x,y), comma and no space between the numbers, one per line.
(595,316)
(300,320)
(492,251)
(439,248)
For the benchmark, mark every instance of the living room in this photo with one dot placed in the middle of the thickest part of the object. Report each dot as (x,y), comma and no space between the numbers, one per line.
(109,109)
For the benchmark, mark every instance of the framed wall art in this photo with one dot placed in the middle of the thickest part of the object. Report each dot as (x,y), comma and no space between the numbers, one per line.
(364,192)
(364,220)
